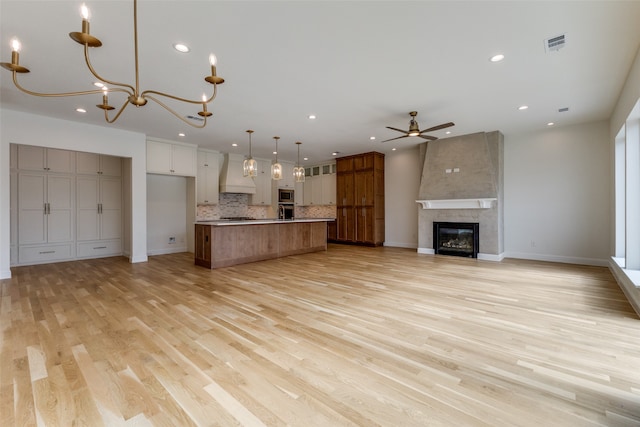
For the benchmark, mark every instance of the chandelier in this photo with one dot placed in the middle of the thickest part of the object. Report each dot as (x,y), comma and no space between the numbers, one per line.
(250,166)
(276,168)
(298,171)
(134,95)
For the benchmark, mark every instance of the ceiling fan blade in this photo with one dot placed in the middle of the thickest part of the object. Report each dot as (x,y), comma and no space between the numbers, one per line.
(428,137)
(442,126)
(393,139)
(396,129)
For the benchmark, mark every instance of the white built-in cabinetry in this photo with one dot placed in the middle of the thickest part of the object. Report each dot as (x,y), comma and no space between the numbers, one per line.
(45,202)
(99,205)
(320,185)
(64,205)
(263,195)
(171,158)
(287,180)
(207,179)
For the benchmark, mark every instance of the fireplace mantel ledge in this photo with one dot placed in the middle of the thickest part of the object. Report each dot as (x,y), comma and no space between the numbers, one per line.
(457,203)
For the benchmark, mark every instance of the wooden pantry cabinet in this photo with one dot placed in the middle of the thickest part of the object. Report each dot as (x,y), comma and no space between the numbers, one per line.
(360,199)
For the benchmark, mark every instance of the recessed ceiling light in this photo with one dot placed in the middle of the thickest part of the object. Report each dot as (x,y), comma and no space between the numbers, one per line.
(306,158)
(335,153)
(393,149)
(81,110)
(275,152)
(312,116)
(497,58)
(183,48)
(448,132)
(523,107)
(372,138)
(550,124)
(98,84)
(234,145)
(181,134)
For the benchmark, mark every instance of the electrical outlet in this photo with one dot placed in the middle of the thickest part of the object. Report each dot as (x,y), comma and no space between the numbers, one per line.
(172,240)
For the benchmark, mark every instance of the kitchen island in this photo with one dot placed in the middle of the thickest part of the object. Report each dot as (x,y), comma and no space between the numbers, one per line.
(226,243)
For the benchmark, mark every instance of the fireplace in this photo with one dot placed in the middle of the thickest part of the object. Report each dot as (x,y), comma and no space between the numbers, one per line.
(456,238)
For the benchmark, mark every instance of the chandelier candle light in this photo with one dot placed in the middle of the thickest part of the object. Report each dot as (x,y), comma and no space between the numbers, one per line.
(276,168)
(298,171)
(250,166)
(134,95)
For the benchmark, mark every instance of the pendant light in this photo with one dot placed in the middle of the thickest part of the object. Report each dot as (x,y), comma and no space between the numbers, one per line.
(276,168)
(250,166)
(298,171)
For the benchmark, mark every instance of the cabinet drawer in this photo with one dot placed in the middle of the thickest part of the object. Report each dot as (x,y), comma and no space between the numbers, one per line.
(99,248)
(35,254)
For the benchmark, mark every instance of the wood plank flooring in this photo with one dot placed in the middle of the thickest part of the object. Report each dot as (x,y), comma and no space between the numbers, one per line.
(349,337)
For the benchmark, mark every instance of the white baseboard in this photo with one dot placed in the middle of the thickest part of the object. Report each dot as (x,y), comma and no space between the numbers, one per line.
(486,257)
(491,257)
(134,260)
(401,245)
(557,258)
(426,251)
(628,283)
(5,274)
(165,251)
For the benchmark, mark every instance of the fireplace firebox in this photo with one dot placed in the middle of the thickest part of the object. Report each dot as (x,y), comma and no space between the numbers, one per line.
(456,238)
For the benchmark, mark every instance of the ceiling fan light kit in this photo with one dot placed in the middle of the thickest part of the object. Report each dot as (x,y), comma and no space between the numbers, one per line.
(133,93)
(414,129)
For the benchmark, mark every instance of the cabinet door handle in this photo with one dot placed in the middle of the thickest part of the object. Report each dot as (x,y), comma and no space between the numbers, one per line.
(364,211)
(100,247)
(47,252)
(45,208)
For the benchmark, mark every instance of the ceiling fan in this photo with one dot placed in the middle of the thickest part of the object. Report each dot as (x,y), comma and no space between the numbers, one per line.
(414,130)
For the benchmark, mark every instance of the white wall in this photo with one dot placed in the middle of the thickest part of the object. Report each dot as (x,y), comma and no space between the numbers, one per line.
(557,193)
(402,171)
(166,214)
(29,129)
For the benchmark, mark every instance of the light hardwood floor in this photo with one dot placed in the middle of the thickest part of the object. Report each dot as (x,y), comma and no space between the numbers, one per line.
(349,337)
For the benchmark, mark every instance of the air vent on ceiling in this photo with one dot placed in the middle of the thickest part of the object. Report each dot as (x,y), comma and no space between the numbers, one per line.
(555,43)
(563,109)
(197,119)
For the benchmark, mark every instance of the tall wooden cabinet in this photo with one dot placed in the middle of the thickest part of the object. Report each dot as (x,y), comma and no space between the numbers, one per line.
(360,199)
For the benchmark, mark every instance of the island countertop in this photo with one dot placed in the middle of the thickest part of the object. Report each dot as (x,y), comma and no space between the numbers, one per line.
(224,222)
(222,243)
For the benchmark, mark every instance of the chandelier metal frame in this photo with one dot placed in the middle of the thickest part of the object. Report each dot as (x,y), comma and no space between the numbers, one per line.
(134,95)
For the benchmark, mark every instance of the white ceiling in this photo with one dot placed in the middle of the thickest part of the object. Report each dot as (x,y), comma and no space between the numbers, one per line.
(358,65)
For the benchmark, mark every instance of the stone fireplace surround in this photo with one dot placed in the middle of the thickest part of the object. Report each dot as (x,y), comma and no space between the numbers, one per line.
(463,181)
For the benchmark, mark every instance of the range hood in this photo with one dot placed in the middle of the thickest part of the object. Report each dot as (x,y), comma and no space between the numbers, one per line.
(231,178)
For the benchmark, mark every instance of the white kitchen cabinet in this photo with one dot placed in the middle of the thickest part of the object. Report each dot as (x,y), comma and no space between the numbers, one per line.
(263,196)
(171,158)
(99,216)
(287,181)
(207,179)
(45,217)
(100,164)
(299,194)
(45,159)
(328,189)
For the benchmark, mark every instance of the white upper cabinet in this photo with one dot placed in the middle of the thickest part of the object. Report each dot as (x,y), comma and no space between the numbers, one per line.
(92,164)
(171,158)
(207,180)
(45,159)
(262,197)
(287,180)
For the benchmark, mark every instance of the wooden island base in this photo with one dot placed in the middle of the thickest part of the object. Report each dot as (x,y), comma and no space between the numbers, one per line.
(226,244)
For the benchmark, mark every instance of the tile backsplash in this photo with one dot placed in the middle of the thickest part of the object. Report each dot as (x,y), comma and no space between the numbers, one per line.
(237,205)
